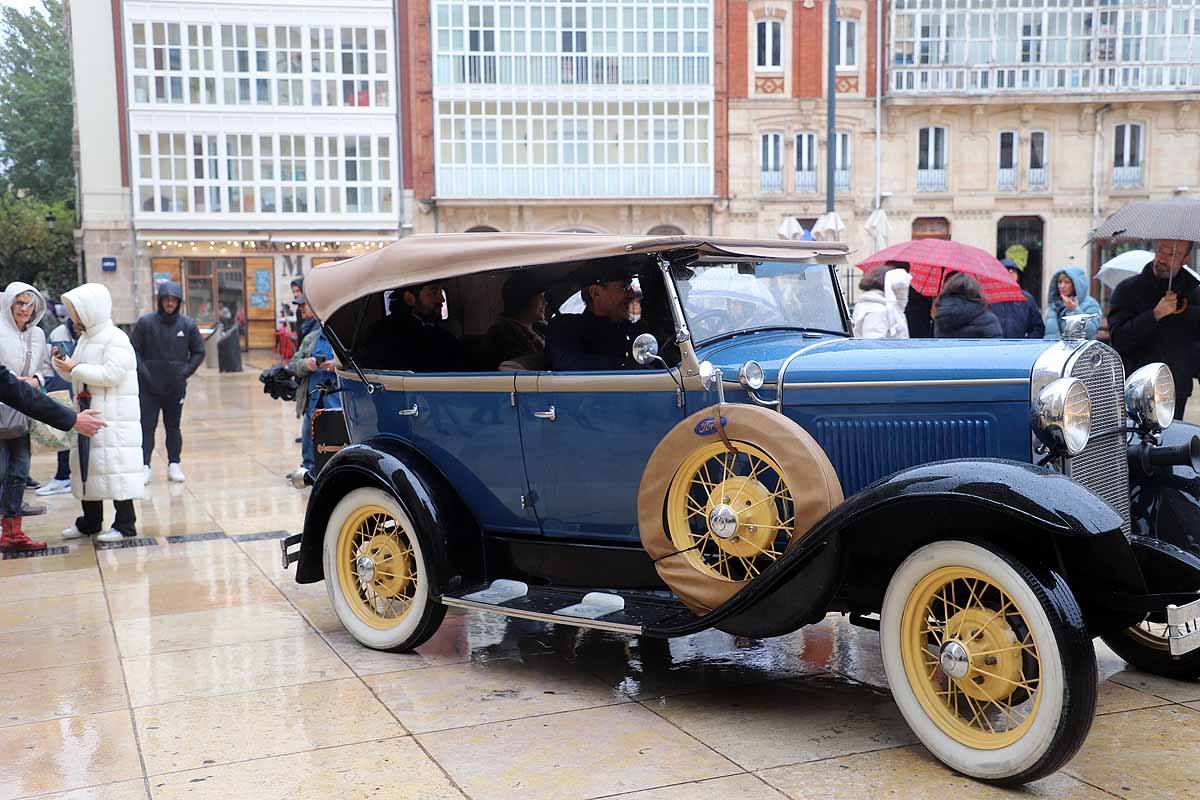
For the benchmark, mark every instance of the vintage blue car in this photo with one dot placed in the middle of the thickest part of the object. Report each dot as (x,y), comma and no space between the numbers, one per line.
(737,461)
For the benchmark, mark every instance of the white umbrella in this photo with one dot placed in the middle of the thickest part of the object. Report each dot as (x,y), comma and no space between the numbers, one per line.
(877,226)
(790,228)
(1123,266)
(828,228)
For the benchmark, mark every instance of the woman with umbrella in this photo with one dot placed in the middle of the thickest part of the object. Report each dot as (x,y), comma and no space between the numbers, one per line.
(103,375)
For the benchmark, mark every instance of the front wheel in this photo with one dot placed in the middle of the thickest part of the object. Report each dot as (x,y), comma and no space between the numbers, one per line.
(989,663)
(1146,647)
(377,574)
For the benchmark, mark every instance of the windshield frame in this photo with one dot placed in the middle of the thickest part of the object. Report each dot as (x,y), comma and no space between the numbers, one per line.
(843,310)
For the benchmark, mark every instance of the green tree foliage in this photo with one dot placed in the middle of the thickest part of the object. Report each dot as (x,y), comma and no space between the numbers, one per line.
(35,103)
(33,251)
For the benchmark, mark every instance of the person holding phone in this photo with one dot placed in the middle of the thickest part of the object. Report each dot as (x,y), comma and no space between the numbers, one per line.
(314,365)
(62,344)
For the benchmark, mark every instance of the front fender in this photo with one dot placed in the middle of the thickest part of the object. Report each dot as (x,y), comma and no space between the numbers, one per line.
(1038,515)
(448,535)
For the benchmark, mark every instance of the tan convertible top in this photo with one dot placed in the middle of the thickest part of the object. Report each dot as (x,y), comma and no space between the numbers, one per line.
(419,259)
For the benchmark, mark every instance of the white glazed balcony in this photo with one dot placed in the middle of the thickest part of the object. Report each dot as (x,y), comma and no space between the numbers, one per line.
(931,79)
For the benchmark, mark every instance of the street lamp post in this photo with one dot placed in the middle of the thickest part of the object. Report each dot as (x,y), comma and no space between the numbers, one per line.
(831,106)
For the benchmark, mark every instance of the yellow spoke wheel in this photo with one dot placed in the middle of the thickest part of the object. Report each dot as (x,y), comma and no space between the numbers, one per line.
(971,658)
(376,569)
(731,514)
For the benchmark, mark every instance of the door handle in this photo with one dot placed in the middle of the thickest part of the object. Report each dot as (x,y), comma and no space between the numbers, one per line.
(547,414)
(409,412)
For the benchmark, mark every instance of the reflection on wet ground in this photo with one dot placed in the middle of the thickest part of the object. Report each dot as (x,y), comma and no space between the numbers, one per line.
(199,669)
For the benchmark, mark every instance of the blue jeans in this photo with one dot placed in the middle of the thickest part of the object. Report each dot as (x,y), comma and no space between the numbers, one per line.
(14,467)
(307,453)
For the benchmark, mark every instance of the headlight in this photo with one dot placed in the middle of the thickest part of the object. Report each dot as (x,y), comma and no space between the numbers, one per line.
(751,375)
(1150,396)
(1062,415)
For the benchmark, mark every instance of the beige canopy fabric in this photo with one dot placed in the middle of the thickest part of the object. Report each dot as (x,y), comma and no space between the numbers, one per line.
(419,259)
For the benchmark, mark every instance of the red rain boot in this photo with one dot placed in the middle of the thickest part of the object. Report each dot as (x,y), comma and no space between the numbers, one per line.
(14,539)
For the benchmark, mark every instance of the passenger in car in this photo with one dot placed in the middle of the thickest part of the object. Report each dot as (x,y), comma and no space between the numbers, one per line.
(521,329)
(412,337)
(600,337)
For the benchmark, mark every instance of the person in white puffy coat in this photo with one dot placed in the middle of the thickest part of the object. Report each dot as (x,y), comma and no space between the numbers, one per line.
(879,310)
(104,367)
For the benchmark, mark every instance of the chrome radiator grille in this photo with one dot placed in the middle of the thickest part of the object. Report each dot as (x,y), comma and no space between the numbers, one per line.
(1102,466)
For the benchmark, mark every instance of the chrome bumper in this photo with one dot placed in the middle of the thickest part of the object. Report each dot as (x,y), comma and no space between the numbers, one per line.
(1183,628)
(285,546)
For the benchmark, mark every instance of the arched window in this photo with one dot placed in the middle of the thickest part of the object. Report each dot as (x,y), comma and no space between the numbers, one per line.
(482,229)
(666,230)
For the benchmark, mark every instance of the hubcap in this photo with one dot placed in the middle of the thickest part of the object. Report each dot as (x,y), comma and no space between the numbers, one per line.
(955,660)
(365,567)
(723,522)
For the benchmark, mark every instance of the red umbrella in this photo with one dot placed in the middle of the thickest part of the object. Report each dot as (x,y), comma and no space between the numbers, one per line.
(932,259)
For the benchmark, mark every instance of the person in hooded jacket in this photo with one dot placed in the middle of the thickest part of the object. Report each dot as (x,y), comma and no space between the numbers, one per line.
(23,351)
(879,310)
(1020,319)
(63,337)
(169,350)
(103,373)
(961,312)
(1067,296)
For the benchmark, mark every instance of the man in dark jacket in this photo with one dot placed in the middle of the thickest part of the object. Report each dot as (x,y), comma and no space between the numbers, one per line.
(1148,322)
(29,401)
(412,336)
(169,349)
(600,337)
(1020,319)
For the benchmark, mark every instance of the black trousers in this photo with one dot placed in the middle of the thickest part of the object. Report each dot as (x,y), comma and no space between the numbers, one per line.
(93,517)
(172,412)
(1180,405)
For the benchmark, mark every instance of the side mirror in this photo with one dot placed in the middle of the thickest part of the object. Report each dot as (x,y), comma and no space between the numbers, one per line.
(645,349)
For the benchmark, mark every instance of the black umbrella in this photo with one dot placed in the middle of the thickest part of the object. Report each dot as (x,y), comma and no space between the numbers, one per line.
(1177,219)
(84,399)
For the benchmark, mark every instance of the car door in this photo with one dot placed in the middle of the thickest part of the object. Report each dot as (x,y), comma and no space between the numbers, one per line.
(467,425)
(587,437)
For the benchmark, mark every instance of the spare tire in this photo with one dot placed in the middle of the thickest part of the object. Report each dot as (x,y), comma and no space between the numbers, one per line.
(713,519)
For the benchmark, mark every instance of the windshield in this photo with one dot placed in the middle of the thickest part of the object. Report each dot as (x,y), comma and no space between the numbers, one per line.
(723,298)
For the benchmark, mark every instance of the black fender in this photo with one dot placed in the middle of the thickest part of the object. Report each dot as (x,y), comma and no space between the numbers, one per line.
(1037,515)
(447,532)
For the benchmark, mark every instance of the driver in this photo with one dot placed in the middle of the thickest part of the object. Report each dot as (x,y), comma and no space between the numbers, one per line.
(600,337)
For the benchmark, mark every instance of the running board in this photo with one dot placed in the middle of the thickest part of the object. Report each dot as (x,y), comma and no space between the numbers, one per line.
(606,611)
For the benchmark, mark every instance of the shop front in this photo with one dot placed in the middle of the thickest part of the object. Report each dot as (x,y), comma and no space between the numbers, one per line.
(226,292)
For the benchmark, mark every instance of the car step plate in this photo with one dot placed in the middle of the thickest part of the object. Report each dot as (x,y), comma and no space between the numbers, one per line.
(1183,628)
(609,611)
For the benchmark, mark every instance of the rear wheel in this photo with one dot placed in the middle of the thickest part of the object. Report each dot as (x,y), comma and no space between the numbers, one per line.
(1146,647)
(376,573)
(989,664)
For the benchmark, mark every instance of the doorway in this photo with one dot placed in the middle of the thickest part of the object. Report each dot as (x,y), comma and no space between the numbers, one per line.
(213,286)
(931,228)
(1015,233)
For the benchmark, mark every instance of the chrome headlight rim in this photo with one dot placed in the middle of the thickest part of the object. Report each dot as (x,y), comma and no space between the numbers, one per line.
(1150,396)
(751,376)
(1062,416)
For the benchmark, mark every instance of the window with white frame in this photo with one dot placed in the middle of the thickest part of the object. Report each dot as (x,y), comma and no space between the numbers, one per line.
(1037,174)
(931,159)
(172,174)
(239,173)
(201,65)
(267,190)
(145,164)
(771,161)
(768,44)
(327,174)
(507,148)
(323,64)
(158,65)
(235,65)
(1128,155)
(841,161)
(604,42)
(293,174)
(1006,174)
(806,162)
(846,52)
(206,174)
(289,65)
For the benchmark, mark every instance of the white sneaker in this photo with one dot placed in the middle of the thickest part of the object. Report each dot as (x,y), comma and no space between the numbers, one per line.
(110,535)
(54,486)
(175,473)
(146,473)
(72,533)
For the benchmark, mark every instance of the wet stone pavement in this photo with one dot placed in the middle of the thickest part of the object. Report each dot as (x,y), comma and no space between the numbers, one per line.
(192,666)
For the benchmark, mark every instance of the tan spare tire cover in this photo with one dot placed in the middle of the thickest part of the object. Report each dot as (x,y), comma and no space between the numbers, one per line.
(803,466)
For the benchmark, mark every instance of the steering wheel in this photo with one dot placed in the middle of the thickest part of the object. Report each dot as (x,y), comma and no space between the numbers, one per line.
(710,323)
